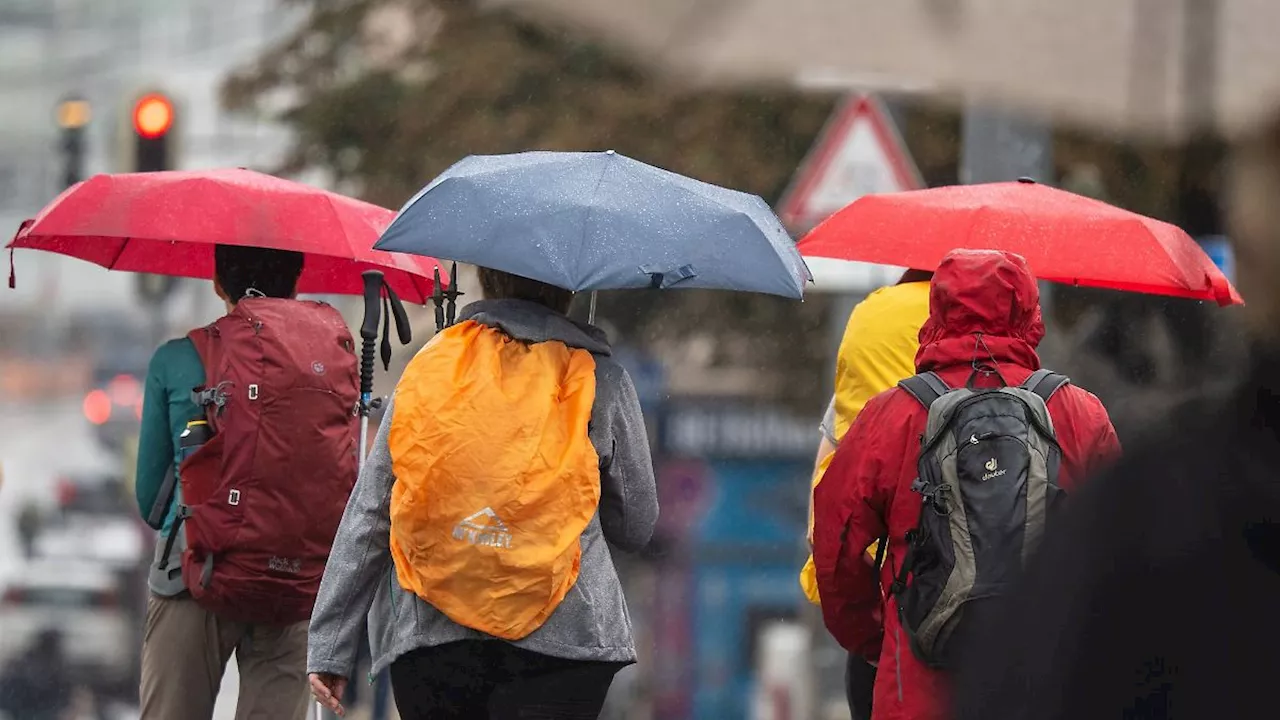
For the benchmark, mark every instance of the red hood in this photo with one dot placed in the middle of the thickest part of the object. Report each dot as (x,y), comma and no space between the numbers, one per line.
(985,293)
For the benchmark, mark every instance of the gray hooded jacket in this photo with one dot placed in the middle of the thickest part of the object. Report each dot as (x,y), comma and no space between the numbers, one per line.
(591,623)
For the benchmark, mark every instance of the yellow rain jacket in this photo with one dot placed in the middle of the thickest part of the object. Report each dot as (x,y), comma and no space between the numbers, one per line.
(496,478)
(877,351)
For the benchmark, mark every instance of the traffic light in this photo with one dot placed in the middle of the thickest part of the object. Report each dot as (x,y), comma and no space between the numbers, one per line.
(73,117)
(153,118)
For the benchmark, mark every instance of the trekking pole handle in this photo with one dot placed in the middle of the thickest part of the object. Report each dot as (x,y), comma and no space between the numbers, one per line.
(373,282)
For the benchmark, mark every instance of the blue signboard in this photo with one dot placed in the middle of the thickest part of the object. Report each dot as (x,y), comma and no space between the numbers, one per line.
(747,551)
(1218,248)
(732,603)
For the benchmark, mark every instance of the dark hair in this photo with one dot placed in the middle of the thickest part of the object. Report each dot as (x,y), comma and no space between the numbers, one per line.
(498,285)
(914,276)
(273,273)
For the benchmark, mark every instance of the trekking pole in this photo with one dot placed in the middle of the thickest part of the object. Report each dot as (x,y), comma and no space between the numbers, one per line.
(445,296)
(375,307)
(451,294)
(373,284)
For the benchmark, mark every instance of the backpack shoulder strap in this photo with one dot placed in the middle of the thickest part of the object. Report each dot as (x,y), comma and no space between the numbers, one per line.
(1045,383)
(207,342)
(203,339)
(925,388)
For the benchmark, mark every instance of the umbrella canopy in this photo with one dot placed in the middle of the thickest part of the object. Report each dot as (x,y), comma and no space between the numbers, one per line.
(1152,65)
(167,223)
(598,221)
(1065,238)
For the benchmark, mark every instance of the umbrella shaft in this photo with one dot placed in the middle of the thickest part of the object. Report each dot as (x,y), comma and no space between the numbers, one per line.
(591,313)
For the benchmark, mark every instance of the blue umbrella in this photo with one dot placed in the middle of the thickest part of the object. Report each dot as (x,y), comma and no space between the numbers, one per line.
(598,221)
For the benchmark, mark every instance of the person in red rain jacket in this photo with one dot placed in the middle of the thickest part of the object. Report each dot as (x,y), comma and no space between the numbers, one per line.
(984,311)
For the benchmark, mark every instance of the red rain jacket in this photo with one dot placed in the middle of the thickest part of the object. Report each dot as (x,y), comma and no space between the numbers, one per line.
(867,488)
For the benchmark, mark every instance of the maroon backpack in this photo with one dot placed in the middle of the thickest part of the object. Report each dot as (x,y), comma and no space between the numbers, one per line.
(262,498)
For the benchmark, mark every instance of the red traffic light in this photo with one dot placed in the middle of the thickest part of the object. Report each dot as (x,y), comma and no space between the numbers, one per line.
(152,115)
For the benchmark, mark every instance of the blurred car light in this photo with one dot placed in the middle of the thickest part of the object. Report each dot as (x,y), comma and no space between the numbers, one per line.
(66,492)
(97,407)
(124,390)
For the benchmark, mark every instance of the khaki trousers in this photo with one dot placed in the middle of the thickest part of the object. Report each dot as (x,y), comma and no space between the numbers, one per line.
(185,651)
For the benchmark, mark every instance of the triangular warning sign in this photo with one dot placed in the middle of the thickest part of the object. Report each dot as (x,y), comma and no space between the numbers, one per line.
(859,152)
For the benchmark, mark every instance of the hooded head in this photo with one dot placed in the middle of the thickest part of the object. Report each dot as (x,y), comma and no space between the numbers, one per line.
(984,305)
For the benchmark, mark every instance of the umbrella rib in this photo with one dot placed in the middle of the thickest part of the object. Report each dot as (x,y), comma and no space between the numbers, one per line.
(119,253)
(337,218)
(582,241)
(695,190)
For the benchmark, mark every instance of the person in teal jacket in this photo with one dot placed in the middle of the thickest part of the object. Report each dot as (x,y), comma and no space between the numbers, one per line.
(185,647)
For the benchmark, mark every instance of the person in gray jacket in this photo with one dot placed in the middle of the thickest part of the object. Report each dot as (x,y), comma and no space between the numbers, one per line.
(443,669)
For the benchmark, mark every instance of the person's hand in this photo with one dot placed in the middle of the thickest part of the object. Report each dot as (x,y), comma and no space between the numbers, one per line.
(328,690)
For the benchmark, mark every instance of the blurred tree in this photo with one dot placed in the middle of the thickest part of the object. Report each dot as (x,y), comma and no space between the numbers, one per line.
(386,94)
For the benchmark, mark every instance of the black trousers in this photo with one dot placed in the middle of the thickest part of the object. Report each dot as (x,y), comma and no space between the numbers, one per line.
(493,680)
(859,686)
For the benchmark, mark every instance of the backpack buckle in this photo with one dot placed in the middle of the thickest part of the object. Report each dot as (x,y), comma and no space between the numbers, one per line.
(938,499)
(215,395)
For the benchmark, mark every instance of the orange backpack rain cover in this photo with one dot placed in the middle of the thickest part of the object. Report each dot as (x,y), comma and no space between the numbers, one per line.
(496,478)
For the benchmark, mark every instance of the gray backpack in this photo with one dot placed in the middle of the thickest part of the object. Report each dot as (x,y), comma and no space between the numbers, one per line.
(988,473)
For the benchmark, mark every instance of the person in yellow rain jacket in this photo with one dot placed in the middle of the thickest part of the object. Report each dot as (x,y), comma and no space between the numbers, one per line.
(877,351)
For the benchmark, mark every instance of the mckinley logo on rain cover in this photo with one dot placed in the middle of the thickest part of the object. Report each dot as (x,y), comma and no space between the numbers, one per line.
(483,528)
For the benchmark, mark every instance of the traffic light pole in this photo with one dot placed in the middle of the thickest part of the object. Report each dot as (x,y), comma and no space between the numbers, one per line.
(154,291)
(73,117)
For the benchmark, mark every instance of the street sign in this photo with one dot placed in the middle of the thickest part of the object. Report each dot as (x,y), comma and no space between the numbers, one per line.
(727,431)
(858,153)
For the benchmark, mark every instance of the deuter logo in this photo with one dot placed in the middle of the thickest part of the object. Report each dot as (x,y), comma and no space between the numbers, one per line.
(483,528)
(993,470)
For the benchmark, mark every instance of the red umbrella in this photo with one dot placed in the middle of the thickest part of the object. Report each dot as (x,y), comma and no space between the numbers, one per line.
(1066,238)
(167,223)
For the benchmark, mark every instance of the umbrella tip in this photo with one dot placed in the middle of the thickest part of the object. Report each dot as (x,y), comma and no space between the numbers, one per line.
(1027,180)
(609,152)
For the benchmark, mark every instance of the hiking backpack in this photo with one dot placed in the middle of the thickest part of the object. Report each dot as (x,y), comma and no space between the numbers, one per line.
(262,497)
(988,475)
